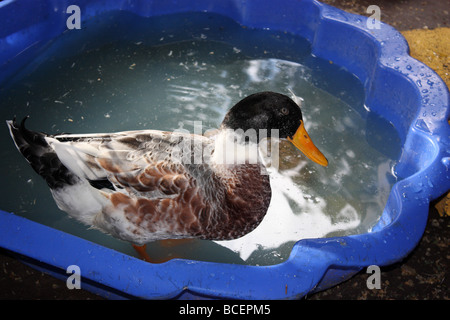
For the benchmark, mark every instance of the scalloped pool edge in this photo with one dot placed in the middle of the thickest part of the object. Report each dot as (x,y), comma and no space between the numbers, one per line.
(418,107)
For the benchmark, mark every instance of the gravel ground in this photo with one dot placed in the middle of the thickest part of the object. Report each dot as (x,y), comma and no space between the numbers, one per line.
(421,275)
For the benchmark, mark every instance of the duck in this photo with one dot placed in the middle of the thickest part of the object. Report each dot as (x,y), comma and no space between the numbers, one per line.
(148,185)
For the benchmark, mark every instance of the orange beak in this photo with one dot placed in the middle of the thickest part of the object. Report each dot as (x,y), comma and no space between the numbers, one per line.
(304,143)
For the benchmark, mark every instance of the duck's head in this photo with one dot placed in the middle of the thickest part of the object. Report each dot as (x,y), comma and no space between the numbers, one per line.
(270,110)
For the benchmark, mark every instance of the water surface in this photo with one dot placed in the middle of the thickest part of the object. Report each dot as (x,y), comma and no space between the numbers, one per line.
(123,72)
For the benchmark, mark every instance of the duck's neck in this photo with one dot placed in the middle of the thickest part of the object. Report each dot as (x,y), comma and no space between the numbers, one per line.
(234,147)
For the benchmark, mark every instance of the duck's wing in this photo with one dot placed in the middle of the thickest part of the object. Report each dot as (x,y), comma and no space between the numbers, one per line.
(152,185)
(149,162)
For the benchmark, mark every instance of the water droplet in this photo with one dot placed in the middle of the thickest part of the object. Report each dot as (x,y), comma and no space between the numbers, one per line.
(408,67)
(446,162)
(421,124)
(430,83)
(397,59)
(419,83)
(424,90)
(418,187)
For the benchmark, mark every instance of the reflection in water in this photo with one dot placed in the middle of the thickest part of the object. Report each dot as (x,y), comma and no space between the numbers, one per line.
(293,215)
(169,85)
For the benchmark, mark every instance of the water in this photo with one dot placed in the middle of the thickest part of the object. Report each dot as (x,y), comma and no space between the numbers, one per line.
(170,71)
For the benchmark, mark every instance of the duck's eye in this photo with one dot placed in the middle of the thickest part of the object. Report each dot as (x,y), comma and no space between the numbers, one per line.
(285,111)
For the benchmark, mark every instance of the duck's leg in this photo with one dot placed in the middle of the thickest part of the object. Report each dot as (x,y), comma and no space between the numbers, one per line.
(142,252)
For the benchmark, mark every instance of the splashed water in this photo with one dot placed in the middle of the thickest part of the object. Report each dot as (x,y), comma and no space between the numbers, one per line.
(194,67)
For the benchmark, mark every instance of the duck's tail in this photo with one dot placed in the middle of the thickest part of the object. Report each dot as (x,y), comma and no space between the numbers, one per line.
(41,156)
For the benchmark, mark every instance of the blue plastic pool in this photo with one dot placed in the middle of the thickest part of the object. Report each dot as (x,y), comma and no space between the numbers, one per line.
(400,89)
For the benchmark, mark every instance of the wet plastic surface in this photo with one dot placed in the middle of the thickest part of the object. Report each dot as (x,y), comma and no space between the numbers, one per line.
(399,88)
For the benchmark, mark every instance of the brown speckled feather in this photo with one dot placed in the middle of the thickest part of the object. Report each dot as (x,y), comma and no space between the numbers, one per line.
(148,193)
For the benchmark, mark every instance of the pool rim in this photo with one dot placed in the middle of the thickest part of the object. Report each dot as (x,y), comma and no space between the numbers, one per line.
(314,264)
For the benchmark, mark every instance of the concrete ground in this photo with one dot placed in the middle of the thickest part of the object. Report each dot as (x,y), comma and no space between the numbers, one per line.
(422,275)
